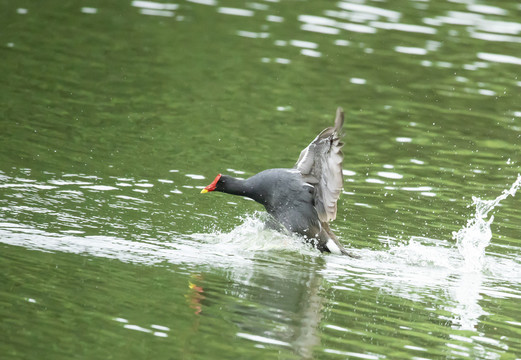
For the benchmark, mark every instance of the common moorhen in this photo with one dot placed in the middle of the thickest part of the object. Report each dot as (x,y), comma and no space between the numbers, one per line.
(302,199)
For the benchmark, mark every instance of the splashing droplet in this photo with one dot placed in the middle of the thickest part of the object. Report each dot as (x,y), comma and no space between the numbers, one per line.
(473,239)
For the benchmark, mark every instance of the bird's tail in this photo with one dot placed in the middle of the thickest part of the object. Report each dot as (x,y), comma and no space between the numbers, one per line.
(331,243)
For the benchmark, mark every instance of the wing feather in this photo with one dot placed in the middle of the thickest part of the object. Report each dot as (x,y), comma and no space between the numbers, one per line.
(322,160)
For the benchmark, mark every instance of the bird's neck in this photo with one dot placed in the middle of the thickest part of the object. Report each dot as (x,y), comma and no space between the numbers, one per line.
(234,186)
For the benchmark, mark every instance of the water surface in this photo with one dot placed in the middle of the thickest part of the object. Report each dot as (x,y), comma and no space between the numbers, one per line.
(114,116)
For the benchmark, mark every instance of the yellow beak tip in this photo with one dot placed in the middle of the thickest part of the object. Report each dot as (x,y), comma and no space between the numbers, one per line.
(204,191)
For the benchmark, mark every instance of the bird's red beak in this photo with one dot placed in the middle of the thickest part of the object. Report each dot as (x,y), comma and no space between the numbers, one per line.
(212,186)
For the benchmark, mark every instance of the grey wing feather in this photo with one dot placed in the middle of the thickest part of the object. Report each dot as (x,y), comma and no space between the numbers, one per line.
(321,162)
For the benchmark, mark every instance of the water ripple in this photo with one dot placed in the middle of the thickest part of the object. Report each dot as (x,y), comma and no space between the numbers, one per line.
(235,11)
(499,58)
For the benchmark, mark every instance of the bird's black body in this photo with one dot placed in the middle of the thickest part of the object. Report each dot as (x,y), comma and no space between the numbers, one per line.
(302,199)
(284,195)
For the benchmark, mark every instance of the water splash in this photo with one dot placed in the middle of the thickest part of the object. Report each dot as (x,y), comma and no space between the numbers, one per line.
(473,239)
(251,236)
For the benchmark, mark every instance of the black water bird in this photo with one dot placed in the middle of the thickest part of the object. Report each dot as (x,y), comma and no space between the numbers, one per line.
(303,199)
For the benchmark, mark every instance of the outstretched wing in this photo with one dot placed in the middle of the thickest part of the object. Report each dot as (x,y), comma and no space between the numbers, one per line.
(321,165)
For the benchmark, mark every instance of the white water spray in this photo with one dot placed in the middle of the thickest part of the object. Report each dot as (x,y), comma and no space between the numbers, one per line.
(473,239)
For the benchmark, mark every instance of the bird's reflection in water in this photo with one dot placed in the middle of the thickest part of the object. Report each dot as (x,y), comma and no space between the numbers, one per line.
(195,294)
(290,304)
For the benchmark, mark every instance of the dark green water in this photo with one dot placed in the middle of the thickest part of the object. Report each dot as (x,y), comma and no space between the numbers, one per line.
(114,115)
